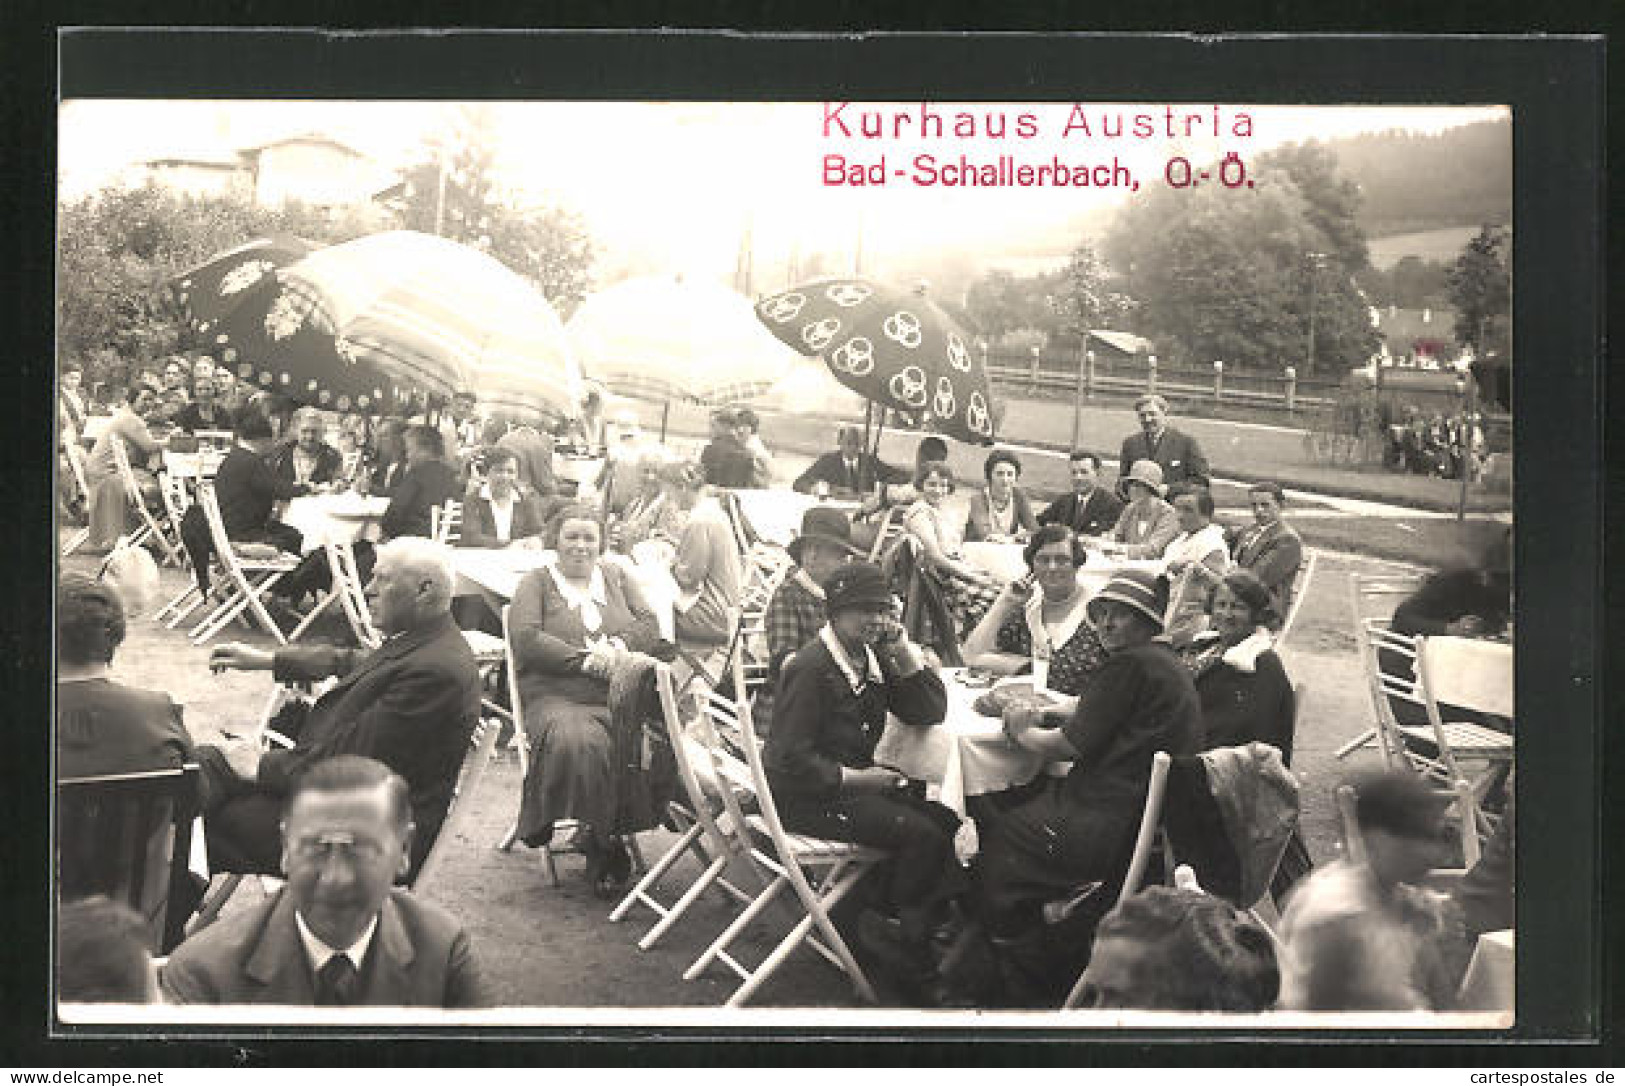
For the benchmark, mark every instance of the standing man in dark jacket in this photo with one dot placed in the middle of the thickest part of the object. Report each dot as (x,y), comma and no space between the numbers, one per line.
(411,704)
(1178,454)
(1090,509)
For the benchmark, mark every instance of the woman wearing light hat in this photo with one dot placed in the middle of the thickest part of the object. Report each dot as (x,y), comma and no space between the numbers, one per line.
(834,696)
(1080,829)
(1147,524)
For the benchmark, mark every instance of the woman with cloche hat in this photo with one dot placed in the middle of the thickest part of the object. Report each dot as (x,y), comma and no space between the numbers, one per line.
(1148,523)
(834,696)
(1080,829)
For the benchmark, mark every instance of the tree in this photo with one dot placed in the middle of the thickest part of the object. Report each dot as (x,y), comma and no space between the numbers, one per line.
(454,192)
(1481,291)
(118,248)
(1331,200)
(1242,275)
(1083,296)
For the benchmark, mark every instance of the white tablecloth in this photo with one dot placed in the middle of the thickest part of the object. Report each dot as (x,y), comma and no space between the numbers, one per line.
(192,465)
(346,517)
(966,755)
(495,574)
(578,469)
(776,514)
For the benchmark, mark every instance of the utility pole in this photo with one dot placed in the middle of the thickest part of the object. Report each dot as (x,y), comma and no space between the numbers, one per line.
(440,193)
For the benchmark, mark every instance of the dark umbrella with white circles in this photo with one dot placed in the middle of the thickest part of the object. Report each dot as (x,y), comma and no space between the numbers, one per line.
(228,281)
(893,347)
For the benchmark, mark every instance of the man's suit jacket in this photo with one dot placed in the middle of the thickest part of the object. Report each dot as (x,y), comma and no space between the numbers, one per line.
(1097,517)
(329,463)
(411,704)
(420,956)
(831,468)
(1178,454)
(480,526)
(1273,555)
(419,490)
(247,488)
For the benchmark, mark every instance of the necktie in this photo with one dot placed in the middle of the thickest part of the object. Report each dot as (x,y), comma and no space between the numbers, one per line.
(852,475)
(337,982)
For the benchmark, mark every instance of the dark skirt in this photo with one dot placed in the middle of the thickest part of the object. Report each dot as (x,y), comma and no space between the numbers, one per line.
(1048,847)
(571,769)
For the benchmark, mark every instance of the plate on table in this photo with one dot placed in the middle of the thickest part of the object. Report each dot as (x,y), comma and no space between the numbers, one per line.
(1011,692)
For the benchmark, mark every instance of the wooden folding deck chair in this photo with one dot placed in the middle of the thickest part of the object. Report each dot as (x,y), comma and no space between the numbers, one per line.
(151,528)
(709,835)
(1463,673)
(1300,592)
(1373,600)
(248,578)
(820,872)
(76,466)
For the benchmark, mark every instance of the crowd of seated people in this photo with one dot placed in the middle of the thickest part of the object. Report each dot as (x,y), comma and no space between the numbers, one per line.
(360,794)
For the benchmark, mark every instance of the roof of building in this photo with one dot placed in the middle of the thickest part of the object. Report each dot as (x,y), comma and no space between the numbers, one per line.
(302,137)
(1403,328)
(1127,342)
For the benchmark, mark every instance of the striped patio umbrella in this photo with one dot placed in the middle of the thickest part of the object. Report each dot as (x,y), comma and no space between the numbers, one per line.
(664,338)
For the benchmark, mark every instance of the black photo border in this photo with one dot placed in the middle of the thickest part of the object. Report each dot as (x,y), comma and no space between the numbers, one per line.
(1555,88)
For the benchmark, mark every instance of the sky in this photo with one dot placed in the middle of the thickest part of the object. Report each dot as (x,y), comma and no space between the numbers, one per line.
(676,186)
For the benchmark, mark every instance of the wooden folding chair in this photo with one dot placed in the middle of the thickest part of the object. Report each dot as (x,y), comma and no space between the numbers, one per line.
(248,578)
(481,748)
(709,835)
(1462,673)
(1300,592)
(151,527)
(1354,841)
(1144,840)
(819,871)
(889,531)
(446,521)
(1373,601)
(129,836)
(76,465)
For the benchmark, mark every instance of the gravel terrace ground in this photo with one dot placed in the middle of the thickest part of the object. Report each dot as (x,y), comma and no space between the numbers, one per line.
(552,946)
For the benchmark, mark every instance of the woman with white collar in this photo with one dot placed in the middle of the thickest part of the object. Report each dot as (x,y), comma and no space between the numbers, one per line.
(1048,629)
(1245,693)
(569,619)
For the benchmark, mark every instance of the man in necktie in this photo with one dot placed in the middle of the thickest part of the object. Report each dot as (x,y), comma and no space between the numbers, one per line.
(849,471)
(337,934)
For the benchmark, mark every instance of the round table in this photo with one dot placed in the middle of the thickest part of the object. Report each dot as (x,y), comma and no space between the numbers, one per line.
(966,755)
(345,517)
(776,514)
(1005,561)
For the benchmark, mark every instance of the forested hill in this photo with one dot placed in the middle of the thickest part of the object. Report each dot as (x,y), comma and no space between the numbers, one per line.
(1413,181)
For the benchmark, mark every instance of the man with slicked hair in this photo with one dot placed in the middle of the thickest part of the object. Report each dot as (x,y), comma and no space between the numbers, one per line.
(336,934)
(411,703)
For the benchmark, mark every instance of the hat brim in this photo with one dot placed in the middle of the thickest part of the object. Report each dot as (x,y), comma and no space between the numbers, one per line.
(1093,609)
(1160,490)
(876,599)
(795,545)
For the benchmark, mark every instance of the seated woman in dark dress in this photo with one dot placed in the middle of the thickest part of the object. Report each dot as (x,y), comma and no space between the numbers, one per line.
(833,698)
(103,726)
(1080,829)
(1245,693)
(568,621)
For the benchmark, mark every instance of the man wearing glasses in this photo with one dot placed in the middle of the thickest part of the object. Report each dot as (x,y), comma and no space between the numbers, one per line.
(338,934)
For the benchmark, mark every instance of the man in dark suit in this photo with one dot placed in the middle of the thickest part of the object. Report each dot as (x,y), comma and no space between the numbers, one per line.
(429,481)
(411,704)
(247,491)
(1090,509)
(1178,454)
(849,471)
(337,934)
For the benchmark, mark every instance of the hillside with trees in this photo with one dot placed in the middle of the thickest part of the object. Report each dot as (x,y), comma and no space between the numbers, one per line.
(1414,181)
